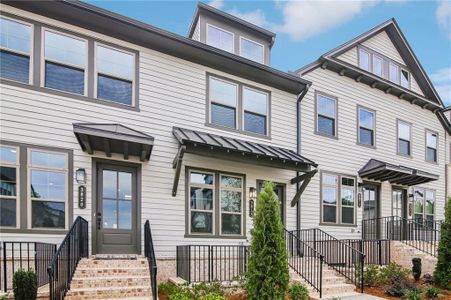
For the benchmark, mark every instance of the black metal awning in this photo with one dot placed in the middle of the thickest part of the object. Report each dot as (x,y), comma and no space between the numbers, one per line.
(212,145)
(396,174)
(113,138)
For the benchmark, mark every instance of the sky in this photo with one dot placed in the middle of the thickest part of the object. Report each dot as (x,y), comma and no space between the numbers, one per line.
(307,29)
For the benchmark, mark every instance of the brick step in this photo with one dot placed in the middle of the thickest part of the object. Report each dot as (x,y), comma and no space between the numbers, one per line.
(109,272)
(92,282)
(101,263)
(325,272)
(108,293)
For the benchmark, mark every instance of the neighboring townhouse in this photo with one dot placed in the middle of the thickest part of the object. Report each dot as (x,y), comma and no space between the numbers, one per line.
(374,124)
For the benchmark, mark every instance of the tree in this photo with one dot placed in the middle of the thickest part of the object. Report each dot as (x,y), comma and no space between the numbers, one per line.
(442,273)
(267,276)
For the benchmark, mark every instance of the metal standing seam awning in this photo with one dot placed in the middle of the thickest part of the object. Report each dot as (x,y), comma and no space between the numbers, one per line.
(396,174)
(212,145)
(113,138)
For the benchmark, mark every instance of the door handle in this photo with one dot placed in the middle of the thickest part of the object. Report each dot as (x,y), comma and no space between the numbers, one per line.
(99,220)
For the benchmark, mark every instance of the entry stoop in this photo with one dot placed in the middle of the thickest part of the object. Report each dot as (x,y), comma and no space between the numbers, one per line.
(111,277)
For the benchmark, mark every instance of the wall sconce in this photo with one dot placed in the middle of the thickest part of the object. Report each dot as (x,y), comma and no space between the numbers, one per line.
(80,176)
(252,197)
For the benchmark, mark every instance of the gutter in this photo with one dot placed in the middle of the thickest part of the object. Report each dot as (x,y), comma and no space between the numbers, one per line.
(298,145)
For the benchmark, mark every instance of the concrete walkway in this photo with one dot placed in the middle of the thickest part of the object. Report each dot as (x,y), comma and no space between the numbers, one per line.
(361,297)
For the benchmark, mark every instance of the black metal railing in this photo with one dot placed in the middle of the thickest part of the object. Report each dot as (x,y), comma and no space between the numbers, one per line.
(377,252)
(26,256)
(422,235)
(149,252)
(305,261)
(65,261)
(340,256)
(208,263)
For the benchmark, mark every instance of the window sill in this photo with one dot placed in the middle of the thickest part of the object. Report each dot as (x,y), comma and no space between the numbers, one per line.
(404,155)
(68,94)
(33,231)
(208,236)
(431,162)
(333,137)
(367,146)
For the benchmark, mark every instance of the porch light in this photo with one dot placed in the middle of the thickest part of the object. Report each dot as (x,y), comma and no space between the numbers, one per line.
(252,197)
(80,176)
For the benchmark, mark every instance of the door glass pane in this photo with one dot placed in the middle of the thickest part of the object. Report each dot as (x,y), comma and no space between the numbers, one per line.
(109,184)
(397,203)
(109,214)
(201,198)
(369,203)
(231,224)
(7,212)
(47,214)
(125,186)
(8,181)
(125,214)
(201,222)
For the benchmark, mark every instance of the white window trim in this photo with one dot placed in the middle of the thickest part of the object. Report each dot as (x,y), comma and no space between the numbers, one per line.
(252,41)
(398,121)
(64,170)
(423,213)
(17,166)
(43,60)
(231,213)
(359,51)
(267,109)
(373,129)
(426,146)
(30,55)
(96,73)
(212,101)
(223,30)
(212,211)
(409,82)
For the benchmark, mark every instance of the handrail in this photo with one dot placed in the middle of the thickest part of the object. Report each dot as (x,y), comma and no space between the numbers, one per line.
(421,236)
(339,255)
(149,252)
(63,264)
(305,261)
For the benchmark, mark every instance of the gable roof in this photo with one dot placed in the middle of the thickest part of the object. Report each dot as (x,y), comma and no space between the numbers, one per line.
(331,61)
(106,22)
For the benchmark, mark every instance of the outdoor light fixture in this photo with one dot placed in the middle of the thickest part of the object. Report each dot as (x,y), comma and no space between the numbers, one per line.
(252,197)
(80,176)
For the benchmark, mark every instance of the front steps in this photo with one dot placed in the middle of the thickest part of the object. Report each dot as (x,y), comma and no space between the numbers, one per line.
(111,277)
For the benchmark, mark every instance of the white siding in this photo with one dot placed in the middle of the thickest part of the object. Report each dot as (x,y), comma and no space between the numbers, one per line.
(345,156)
(196,33)
(350,56)
(172,92)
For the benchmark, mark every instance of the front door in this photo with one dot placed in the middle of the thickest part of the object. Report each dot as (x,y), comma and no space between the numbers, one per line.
(116,209)
(398,213)
(370,212)
(279,189)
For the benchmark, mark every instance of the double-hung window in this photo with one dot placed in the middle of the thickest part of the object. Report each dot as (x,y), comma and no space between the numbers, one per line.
(231,195)
(366,126)
(115,75)
(65,60)
(404,138)
(424,205)
(338,199)
(431,146)
(201,202)
(255,105)
(223,102)
(251,50)
(48,189)
(393,71)
(9,186)
(220,38)
(15,50)
(326,119)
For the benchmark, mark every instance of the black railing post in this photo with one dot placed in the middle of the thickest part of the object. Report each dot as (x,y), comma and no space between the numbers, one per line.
(362,269)
(379,251)
(5,274)
(210,262)
(321,260)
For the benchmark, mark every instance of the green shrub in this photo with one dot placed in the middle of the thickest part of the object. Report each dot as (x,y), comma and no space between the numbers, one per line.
(371,276)
(394,274)
(428,278)
(213,296)
(413,294)
(442,273)
(267,275)
(180,296)
(25,285)
(431,291)
(168,288)
(297,291)
(416,268)
(395,290)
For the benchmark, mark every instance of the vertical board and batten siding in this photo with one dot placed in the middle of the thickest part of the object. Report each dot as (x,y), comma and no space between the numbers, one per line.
(381,43)
(172,92)
(343,155)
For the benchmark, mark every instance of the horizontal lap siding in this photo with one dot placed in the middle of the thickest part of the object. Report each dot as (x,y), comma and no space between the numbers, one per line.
(172,92)
(345,156)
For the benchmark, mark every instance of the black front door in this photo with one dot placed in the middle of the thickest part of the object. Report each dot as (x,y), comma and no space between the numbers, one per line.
(399,207)
(279,189)
(371,224)
(116,209)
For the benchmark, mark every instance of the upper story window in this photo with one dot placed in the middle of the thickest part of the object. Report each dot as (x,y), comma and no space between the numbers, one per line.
(393,73)
(326,119)
(431,146)
(115,73)
(378,65)
(220,38)
(9,186)
(404,138)
(405,78)
(364,59)
(338,199)
(227,99)
(366,127)
(251,50)
(15,50)
(65,62)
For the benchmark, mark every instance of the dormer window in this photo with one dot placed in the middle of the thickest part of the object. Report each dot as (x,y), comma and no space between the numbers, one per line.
(251,50)
(220,38)
(364,59)
(405,78)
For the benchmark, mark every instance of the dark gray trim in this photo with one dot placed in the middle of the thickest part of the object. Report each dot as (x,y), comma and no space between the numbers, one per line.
(96,161)
(217,205)
(260,183)
(397,138)
(426,130)
(404,207)
(317,92)
(23,188)
(90,17)
(358,127)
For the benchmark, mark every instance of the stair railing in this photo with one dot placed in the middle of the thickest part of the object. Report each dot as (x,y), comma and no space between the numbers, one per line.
(63,264)
(340,256)
(149,252)
(305,261)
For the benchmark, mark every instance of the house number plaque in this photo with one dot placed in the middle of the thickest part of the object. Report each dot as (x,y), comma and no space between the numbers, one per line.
(81,197)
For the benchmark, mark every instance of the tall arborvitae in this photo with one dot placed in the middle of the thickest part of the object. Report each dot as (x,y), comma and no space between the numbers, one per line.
(442,273)
(267,277)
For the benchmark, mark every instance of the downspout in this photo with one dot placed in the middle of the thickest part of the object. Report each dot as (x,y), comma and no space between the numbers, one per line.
(298,144)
